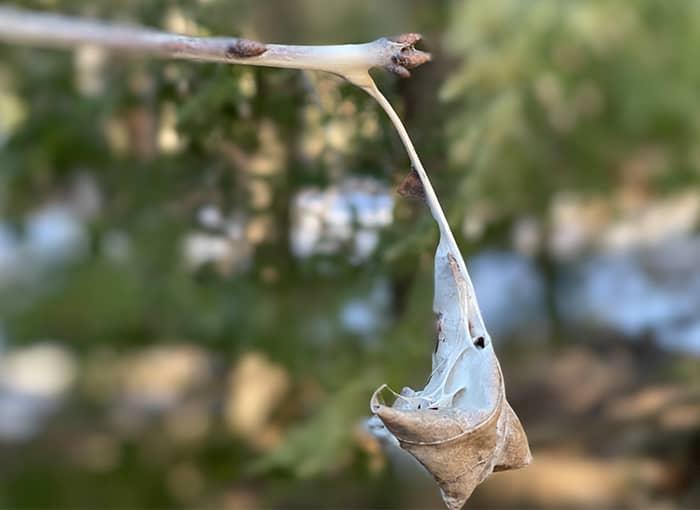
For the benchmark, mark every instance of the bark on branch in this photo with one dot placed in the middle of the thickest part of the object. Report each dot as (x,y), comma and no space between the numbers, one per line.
(396,54)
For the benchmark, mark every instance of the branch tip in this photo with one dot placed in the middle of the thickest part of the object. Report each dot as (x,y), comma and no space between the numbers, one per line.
(407,56)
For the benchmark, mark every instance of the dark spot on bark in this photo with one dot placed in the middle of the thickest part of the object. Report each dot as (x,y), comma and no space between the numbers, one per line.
(411,186)
(480,342)
(245,48)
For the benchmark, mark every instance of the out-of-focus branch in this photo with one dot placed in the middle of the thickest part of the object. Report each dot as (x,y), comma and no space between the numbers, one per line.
(351,61)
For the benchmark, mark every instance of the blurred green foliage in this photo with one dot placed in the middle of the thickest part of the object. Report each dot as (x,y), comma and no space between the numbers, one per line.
(553,96)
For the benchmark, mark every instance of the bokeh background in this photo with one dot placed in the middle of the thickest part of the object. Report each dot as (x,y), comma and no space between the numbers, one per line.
(205,270)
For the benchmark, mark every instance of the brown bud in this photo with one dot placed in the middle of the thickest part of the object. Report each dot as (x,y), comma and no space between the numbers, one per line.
(414,58)
(245,48)
(410,38)
(411,186)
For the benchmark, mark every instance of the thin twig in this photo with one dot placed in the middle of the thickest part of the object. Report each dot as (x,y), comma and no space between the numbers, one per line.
(431,198)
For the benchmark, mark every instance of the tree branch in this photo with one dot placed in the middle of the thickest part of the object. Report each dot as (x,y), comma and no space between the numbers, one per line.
(348,60)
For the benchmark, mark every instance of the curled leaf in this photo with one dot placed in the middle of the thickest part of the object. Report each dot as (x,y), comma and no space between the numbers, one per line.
(460,427)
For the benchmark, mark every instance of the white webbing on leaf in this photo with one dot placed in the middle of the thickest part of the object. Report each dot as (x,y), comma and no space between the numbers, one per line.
(460,426)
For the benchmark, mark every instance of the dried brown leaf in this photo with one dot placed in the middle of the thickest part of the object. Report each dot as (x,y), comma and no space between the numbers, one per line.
(460,427)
